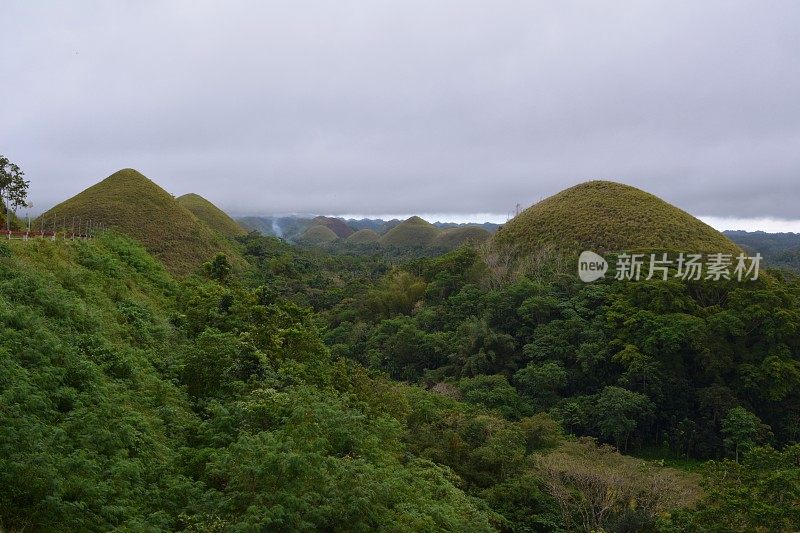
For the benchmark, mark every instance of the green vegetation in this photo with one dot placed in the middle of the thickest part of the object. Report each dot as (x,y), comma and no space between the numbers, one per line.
(317,235)
(132,401)
(608,217)
(13,193)
(780,250)
(14,222)
(411,233)
(339,391)
(132,204)
(211,215)
(452,238)
(364,236)
(13,186)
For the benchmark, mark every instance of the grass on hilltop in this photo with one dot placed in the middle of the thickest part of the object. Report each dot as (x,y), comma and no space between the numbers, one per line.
(211,215)
(317,235)
(336,225)
(452,238)
(364,236)
(132,204)
(605,216)
(412,233)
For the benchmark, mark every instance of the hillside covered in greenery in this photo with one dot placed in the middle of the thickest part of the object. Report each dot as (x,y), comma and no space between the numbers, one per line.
(318,389)
(211,215)
(780,250)
(134,205)
(604,216)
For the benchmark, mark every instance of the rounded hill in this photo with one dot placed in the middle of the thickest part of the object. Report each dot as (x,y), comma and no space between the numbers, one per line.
(412,233)
(452,238)
(211,215)
(605,216)
(364,236)
(317,235)
(337,225)
(132,204)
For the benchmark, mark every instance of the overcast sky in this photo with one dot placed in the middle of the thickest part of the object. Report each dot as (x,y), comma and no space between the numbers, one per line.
(374,107)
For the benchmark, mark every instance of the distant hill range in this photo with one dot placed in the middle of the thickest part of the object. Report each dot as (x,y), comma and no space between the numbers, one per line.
(780,250)
(132,204)
(291,227)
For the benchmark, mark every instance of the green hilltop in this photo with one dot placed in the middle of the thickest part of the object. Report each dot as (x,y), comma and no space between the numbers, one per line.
(211,215)
(134,205)
(452,238)
(413,232)
(336,225)
(364,236)
(317,235)
(605,216)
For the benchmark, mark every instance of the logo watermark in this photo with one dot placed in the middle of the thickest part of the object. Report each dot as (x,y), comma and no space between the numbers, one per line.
(685,266)
(591,266)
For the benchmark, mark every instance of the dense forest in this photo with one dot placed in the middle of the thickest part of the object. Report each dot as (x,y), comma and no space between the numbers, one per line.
(779,249)
(346,392)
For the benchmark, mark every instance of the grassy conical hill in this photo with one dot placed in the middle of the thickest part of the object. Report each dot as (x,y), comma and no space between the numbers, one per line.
(454,237)
(317,235)
(337,225)
(211,215)
(412,233)
(132,204)
(364,236)
(604,216)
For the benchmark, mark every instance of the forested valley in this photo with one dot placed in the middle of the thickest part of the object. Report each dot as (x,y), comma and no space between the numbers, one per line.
(308,390)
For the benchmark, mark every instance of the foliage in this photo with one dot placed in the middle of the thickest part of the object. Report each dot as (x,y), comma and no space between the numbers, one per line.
(218,268)
(742,430)
(761,493)
(13,188)
(293,395)
(599,490)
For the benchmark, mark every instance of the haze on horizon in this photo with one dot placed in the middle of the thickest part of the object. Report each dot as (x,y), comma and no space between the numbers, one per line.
(457,107)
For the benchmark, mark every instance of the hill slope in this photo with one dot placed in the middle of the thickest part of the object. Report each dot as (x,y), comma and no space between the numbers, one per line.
(316,235)
(211,215)
(135,206)
(451,238)
(605,216)
(337,225)
(363,236)
(412,233)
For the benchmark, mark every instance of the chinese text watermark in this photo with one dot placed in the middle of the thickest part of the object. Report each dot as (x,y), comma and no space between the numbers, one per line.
(663,266)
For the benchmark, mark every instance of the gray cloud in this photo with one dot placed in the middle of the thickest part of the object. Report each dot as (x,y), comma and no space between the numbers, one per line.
(413,106)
